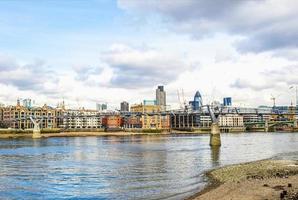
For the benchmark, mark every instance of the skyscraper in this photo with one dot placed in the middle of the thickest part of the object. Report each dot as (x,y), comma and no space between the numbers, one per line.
(124,106)
(197,102)
(161,97)
(227,101)
(101,106)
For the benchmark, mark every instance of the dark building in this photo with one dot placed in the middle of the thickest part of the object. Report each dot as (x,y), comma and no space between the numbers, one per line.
(197,103)
(161,97)
(124,106)
(227,101)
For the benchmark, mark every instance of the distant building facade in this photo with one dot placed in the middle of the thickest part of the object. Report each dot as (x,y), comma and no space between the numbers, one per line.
(81,119)
(124,106)
(101,106)
(161,97)
(18,117)
(227,101)
(142,108)
(197,103)
(113,122)
(231,120)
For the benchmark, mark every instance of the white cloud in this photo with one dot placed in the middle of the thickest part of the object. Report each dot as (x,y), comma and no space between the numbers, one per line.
(136,67)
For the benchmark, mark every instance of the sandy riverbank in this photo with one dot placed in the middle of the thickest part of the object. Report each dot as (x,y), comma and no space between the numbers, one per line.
(260,180)
(77,134)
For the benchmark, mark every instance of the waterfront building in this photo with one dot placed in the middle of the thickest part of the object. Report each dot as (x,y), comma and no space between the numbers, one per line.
(231,120)
(161,97)
(197,103)
(185,120)
(132,121)
(155,121)
(205,121)
(124,106)
(254,117)
(81,119)
(112,122)
(18,117)
(227,101)
(1,114)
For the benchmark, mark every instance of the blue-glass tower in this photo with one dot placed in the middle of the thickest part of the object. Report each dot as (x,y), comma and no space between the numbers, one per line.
(197,102)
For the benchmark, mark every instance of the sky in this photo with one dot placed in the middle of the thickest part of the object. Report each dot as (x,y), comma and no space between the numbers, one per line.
(96,51)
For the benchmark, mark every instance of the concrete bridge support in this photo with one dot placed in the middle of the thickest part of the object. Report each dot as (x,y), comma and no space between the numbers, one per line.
(295,124)
(266,127)
(215,135)
(36,130)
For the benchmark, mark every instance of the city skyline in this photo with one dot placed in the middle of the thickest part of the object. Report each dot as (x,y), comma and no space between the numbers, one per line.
(114,51)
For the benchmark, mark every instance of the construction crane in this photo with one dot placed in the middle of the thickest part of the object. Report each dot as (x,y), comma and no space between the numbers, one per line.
(273,98)
(179,99)
(182,102)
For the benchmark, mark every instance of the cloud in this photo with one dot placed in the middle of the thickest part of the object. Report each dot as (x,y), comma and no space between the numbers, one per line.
(32,76)
(136,67)
(278,79)
(264,25)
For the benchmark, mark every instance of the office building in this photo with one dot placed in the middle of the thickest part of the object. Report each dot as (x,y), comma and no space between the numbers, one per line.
(161,97)
(227,101)
(27,103)
(101,106)
(197,103)
(124,106)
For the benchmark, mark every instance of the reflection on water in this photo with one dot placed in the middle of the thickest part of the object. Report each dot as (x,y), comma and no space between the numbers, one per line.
(136,167)
(215,153)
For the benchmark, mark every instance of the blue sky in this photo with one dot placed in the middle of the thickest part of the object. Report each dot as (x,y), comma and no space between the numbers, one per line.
(108,51)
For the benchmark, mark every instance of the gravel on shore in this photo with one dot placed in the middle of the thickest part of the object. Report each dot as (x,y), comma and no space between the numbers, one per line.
(260,180)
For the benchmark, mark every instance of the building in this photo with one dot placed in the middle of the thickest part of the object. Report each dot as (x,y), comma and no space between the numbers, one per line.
(113,122)
(227,101)
(254,117)
(27,103)
(132,121)
(231,120)
(145,108)
(18,117)
(197,103)
(81,119)
(184,120)
(1,117)
(161,97)
(101,106)
(155,121)
(124,106)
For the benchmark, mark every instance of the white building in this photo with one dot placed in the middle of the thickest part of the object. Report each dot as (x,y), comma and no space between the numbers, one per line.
(231,120)
(82,119)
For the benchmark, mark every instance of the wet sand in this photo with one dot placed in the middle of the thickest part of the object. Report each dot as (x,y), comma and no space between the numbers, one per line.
(261,180)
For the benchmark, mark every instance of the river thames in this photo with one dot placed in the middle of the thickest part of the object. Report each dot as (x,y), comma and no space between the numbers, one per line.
(131,167)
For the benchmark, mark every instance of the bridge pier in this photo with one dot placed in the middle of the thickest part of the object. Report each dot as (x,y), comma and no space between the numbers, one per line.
(215,135)
(295,124)
(266,126)
(36,130)
(36,134)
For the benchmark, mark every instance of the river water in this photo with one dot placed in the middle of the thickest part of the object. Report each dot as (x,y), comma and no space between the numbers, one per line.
(132,167)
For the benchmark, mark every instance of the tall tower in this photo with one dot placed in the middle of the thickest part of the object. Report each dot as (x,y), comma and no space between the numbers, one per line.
(197,102)
(161,97)
(124,106)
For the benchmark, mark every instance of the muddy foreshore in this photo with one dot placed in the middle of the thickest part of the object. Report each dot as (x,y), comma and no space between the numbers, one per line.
(259,180)
(76,134)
